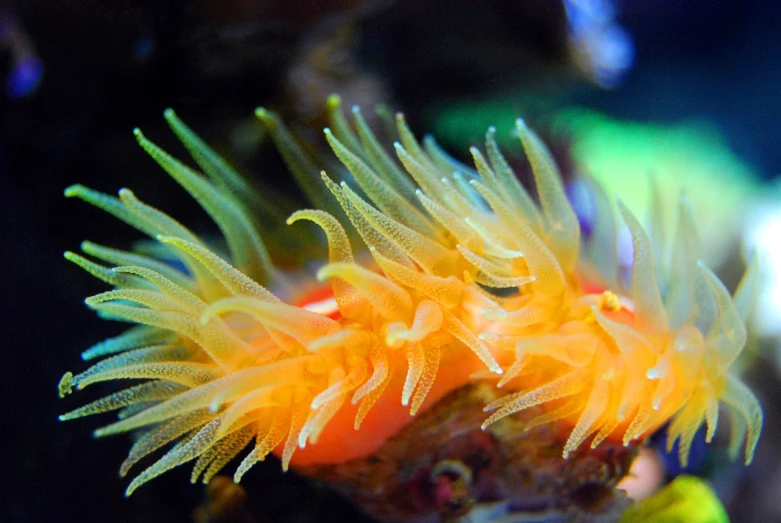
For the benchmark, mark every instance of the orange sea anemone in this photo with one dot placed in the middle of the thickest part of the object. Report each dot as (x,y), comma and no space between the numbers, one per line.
(467,278)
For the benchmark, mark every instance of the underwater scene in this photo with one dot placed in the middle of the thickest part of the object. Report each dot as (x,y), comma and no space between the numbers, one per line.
(391,260)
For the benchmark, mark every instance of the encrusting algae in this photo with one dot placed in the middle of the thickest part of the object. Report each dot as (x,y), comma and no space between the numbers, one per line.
(469,280)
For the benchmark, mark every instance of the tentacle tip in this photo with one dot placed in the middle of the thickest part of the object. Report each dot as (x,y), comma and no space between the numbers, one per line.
(138,134)
(65,386)
(322,274)
(73,190)
(334,101)
(169,114)
(206,317)
(169,240)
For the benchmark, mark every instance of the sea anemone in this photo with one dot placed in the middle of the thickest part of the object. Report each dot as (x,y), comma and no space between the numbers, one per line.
(465,277)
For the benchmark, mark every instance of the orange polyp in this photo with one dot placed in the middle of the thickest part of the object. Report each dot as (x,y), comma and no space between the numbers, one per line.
(487,281)
(340,442)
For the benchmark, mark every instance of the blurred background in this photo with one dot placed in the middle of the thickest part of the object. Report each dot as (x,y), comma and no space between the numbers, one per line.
(686,92)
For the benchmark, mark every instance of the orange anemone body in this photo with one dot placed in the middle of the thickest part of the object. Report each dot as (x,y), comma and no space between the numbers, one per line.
(464,277)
